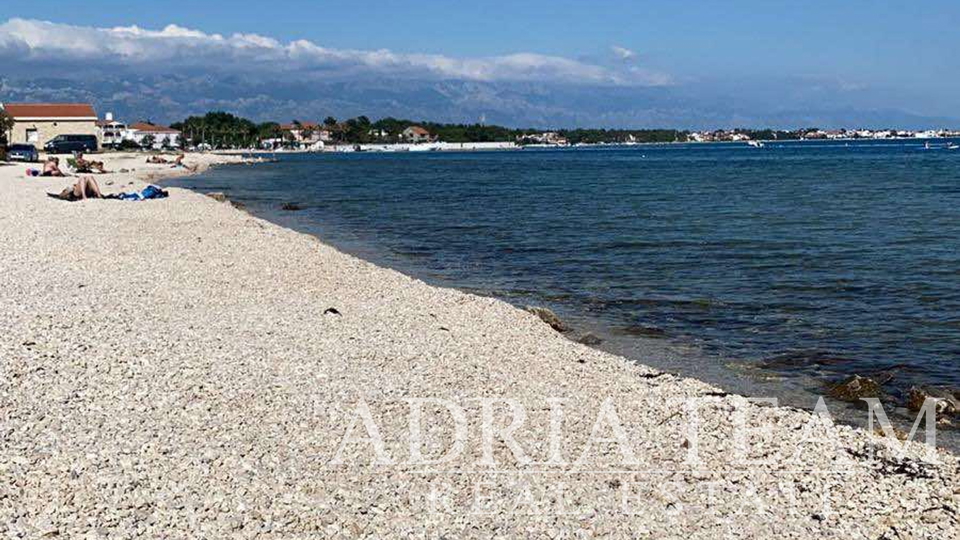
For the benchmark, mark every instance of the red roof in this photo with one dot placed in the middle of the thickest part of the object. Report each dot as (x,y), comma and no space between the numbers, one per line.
(152,128)
(303,125)
(50,110)
(418,130)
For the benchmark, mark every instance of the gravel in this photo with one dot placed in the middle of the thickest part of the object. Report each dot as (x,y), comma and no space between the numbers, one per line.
(173,369)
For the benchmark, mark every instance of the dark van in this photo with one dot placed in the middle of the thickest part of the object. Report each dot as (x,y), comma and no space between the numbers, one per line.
(65,144)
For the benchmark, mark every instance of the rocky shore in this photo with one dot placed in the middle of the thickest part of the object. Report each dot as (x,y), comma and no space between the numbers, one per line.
(178,368)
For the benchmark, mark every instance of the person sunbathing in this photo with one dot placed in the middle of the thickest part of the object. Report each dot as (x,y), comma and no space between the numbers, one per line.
(84,188)
(52,167)
(87,166)
(158,160)
(179,163)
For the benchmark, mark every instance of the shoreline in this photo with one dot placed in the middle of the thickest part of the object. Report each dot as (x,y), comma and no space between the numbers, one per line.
(679,353)
(376,148)
(186,352)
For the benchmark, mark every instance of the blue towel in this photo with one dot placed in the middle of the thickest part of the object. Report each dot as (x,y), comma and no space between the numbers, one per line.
(149,192)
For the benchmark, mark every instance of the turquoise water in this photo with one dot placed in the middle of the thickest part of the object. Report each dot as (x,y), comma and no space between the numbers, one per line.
(805,261)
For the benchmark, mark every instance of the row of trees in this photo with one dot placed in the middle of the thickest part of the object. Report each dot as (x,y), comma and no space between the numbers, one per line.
(222,130)
(594,136)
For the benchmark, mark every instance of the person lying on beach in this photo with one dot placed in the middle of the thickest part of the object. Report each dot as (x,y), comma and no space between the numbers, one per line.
(52,167)
(88,166)
(160,160)
(85,187)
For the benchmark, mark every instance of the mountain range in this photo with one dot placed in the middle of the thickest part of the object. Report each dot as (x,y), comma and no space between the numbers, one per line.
(165,98)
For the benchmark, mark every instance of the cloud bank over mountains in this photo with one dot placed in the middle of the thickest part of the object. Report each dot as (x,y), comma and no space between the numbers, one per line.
(175,47)
(165,75)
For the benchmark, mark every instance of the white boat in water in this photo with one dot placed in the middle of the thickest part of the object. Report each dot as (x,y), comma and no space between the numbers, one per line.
(756,144)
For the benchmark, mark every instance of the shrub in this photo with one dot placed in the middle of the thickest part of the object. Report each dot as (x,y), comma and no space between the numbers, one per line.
(127,144)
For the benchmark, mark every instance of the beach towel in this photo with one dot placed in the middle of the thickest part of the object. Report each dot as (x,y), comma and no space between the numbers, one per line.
(33,172)
(149,192)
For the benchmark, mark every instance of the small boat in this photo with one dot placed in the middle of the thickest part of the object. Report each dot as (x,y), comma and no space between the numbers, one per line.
(756,144)
(952,146)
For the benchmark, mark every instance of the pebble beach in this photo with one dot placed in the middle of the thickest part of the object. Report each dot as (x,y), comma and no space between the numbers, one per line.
(178,368)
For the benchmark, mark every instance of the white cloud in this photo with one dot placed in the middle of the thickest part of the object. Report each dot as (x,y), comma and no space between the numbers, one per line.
(175,47)
(623,53)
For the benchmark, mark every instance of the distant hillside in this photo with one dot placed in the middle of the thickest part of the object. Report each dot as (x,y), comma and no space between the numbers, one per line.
(172,97)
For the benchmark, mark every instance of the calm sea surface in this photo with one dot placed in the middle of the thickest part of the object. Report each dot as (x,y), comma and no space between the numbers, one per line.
(798,263)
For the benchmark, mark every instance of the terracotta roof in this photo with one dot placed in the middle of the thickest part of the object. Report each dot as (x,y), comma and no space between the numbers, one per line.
(418,130)
(303,125)
(152,128)
(50,110)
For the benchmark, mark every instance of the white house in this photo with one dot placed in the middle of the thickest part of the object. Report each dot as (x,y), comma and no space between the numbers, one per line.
(163,137)
(416,134)
(379,134)
(306,133)
(111,131)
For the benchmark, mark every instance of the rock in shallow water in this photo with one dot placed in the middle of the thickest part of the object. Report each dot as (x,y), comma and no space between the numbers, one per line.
(947,402)
(855,388)
(589,339)
(549,317)
(805,359)
(644,330)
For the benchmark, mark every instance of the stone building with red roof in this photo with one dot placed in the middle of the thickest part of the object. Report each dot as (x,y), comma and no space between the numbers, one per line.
(38,123)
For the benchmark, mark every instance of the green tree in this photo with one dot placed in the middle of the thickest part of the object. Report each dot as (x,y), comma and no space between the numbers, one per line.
(356,130)
(6,124)
(330,122)
(218,129)
(148,141)
(269,130)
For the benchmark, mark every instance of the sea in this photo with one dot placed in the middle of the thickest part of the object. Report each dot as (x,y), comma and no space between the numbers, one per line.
(773,272)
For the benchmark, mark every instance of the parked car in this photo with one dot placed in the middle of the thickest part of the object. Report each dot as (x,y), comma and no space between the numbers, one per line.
(22,152)
(65,144)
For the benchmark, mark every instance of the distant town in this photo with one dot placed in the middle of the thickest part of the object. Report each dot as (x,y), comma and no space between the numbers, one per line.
(48,126)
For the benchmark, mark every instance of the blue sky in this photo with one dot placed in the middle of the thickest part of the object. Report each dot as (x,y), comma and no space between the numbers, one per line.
(862,38)
(895,55)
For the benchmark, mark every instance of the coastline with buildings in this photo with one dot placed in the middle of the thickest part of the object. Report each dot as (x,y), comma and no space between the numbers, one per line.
(39,123)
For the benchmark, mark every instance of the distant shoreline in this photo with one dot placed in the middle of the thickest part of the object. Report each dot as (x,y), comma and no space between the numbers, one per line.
(507,146)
